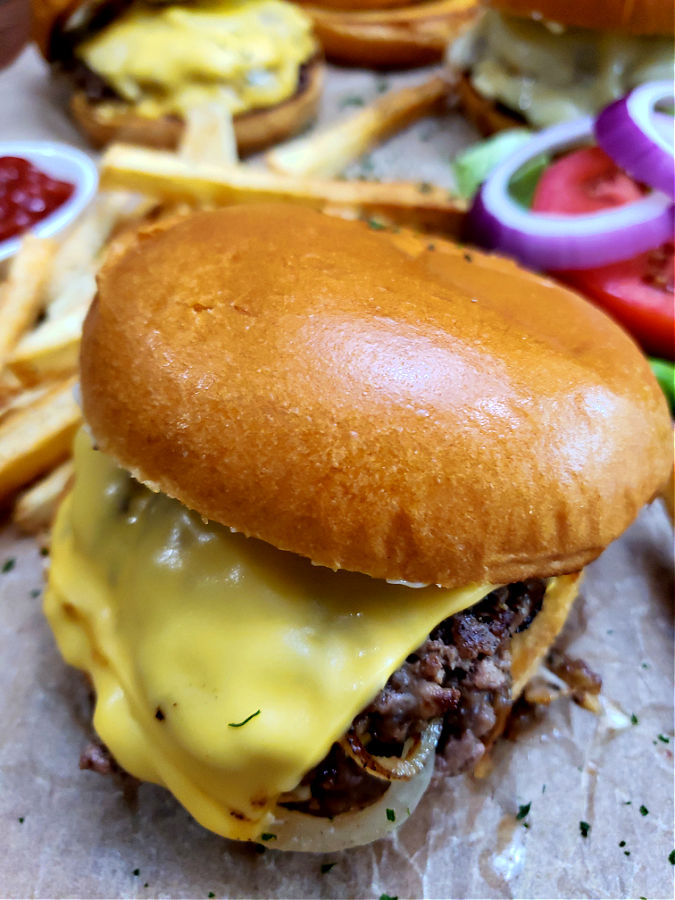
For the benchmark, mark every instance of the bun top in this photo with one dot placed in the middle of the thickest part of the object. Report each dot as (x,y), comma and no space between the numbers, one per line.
(631,16)
(375,402)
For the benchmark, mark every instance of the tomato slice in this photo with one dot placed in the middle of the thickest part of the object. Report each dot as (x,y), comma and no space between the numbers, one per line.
(637,292)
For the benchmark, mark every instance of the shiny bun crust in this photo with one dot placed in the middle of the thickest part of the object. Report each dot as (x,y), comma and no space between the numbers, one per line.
(389,34)
(631,16)
(374,402)
(254,130)
(484,114)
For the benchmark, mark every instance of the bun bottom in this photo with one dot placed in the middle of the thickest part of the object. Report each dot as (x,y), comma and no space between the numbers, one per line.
(404,37)
(313,834)
(485,115)
(254,130)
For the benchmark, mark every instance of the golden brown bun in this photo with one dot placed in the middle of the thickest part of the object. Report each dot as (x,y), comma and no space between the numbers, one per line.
(369,403)
(632,16)
(485,115)
(254,130)
(409,35)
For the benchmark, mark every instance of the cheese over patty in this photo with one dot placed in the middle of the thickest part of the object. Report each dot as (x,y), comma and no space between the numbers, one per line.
(168,59)
(548,73)
(224,669)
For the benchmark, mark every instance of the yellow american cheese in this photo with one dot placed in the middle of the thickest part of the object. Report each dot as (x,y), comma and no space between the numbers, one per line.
(185,627)
(548,73)
(167,59)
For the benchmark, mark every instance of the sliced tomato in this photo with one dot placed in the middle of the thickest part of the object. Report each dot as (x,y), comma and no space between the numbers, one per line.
(637,292)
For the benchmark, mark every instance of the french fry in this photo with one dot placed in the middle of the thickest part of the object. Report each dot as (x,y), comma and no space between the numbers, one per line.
(80,249)
(35,508)
(328,153)
(209,136)
(167,177)
(22,397)
(77,294)
(50,350)
(22,294)
(37,437)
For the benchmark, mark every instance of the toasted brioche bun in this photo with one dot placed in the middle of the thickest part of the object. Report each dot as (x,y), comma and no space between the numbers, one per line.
(630,16)
(388,33)
(449,421)
(254,130)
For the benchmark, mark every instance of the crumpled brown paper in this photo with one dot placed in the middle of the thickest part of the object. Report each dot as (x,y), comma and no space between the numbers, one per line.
(67,833)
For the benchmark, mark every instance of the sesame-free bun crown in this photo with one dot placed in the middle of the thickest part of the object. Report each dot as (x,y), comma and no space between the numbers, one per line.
(375,402)
(631,16)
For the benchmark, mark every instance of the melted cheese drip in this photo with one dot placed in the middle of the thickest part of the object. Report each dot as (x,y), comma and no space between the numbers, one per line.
(549,74)
(185,627)
(243,54)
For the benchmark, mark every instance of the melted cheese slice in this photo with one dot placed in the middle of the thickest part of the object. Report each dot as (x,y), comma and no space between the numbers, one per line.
(187,630)
(167,59)
(548,73)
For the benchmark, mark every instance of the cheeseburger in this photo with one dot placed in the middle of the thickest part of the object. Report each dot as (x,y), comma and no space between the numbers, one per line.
(538,62)
(388,33)
(137,68)
(330,509)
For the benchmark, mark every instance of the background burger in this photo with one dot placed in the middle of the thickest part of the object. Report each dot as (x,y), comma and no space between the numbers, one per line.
(138,68)
(330,509)
(547,61)
(388,33)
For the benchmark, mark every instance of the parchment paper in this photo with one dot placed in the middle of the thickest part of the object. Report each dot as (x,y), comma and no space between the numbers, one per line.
(66,833)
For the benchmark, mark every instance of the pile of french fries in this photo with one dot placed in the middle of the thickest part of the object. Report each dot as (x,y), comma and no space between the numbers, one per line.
(49,285)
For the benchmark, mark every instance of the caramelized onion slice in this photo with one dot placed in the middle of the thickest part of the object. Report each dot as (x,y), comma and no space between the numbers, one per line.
(416,752)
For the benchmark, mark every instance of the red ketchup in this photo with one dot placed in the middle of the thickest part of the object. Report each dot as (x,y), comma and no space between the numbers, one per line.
(27,195)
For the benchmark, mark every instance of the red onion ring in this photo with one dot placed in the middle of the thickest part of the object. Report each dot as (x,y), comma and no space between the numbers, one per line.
(629,132)
(556,241)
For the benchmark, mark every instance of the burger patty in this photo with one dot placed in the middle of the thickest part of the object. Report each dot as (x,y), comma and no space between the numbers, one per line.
(461,674)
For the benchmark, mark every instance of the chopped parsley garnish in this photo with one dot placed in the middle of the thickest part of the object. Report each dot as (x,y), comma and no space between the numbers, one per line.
(626,852)
(627,802)
(523,810)
(387,897)
(663,738)
(671,857)
(622,843)
(35,592)
(353,100)
(44,551)
(268,836)
(424,187)
(643,810)
(210,894)
(391,815)
(375,225)
(8,565)
(326,867)
(381,85)
(633,719)
(468,257)
(247,719)
(21,820)
(584,828)
(431,246)
(259,848)
(136,872)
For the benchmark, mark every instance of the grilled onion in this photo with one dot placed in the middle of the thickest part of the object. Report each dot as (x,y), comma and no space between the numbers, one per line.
(416,751)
